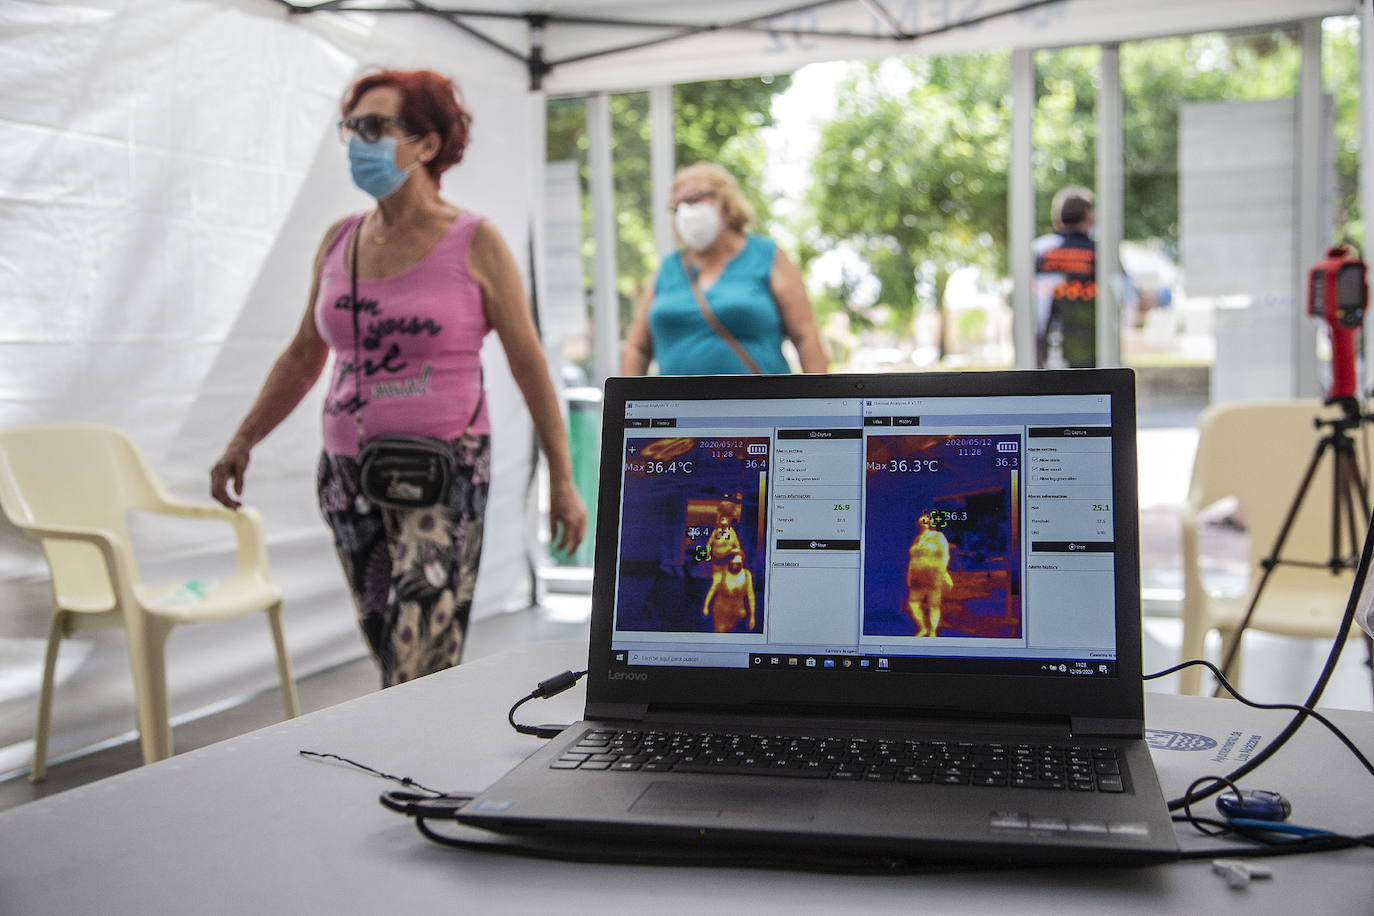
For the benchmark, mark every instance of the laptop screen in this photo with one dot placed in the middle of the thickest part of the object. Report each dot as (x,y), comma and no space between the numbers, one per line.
(873,535)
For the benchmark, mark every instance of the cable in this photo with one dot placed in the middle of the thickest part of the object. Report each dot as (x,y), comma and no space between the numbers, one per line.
(550,687)
(1322,842)
(1274,837)
(1201,823)
(403,780)
(1328,668)
(1301,710)
(436,804)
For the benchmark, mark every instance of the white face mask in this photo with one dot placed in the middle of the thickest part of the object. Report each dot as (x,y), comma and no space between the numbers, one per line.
(698,224)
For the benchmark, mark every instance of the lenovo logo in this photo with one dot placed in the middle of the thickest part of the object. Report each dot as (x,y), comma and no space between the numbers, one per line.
(628,676)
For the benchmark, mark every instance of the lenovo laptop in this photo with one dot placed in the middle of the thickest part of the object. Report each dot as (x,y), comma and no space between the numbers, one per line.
(887,613)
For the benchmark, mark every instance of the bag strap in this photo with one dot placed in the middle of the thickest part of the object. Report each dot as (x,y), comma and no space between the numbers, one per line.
(357,356)
(714,322)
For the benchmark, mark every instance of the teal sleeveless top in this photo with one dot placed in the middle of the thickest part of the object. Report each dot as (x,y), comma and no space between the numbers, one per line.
(742,301)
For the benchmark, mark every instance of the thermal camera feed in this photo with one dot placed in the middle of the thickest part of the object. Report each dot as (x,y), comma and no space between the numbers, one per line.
(691,535)
(942,536)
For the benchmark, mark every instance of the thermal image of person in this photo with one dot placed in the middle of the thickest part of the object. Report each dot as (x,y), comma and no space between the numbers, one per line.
(731,596)
(723,542)
(927,576)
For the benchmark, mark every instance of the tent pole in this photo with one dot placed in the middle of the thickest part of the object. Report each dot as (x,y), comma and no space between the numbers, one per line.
(605,300)
(1110,209)
(661,164)
(1021,207)
(1367,149)
(1313,214)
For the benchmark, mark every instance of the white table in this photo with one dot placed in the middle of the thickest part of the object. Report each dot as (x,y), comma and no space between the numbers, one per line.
(249,826)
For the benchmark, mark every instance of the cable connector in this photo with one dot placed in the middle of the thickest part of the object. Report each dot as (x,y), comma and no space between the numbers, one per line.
(549,687)
(414,805)
(555,685)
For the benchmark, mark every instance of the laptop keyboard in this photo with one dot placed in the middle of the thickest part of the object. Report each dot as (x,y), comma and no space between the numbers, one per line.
(1074,767)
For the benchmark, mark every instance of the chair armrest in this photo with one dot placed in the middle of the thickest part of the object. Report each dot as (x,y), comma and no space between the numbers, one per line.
(118,563)
(198,510)
(247,524)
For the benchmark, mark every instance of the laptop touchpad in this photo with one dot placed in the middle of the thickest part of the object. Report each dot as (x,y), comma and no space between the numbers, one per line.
(722,801)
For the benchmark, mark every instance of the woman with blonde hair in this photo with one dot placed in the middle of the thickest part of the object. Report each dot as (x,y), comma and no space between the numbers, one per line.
(723,303)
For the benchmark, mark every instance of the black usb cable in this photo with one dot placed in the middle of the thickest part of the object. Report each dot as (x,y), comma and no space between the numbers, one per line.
(551,687)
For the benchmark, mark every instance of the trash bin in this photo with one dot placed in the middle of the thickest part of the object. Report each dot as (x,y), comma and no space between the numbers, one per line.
(584,441)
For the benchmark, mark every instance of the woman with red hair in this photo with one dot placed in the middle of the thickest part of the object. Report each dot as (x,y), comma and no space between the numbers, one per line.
(404,294)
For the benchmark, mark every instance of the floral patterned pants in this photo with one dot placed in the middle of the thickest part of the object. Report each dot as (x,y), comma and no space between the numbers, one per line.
(411,571)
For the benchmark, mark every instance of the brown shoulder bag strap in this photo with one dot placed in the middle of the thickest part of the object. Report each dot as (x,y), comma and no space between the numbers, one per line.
(714,322)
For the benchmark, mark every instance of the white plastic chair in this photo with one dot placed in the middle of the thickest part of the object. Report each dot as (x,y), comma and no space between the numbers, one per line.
(71,488)
(1258,453)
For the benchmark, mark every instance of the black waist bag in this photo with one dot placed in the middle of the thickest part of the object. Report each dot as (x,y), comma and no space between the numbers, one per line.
(406,472)
(401,472)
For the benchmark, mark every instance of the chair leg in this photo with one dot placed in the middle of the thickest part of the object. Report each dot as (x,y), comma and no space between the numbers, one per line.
(148,661)
(1194,641)
(40,742)
(288,683)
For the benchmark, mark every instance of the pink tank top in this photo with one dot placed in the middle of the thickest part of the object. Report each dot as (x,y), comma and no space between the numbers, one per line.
(420,332)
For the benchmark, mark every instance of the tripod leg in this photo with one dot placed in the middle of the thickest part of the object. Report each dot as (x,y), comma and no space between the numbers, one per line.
(1351,487)
(1272,558)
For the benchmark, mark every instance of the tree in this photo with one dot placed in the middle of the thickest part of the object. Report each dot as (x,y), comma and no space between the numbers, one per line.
(1064,131)
(1341,68)
(718,121)
(1158,77)
(912,174)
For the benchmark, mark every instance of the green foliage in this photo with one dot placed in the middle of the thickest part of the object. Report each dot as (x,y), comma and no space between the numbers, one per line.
(1064,132)
(1341,72)
(1159,77)
(720,121)
(912,174)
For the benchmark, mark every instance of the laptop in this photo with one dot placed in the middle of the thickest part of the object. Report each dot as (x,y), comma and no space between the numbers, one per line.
(894,614)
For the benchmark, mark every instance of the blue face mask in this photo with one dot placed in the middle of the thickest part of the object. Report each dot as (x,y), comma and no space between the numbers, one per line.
(374,166)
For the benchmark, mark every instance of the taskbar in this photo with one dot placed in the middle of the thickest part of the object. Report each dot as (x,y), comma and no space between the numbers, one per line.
(880,664)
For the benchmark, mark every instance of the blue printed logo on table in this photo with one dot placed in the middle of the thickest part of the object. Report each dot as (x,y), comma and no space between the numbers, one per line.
(1178,741)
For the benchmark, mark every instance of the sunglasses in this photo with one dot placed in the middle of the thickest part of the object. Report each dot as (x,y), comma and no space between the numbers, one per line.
(369,128)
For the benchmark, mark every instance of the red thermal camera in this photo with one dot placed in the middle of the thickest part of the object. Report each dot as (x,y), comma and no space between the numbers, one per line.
(1337,293)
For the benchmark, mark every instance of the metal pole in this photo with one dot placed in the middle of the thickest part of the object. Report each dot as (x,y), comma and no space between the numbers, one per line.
(1021,208)
(1313,215)
(662,156)
(1366,14)
(605,301)
(1111,207)
(535,556)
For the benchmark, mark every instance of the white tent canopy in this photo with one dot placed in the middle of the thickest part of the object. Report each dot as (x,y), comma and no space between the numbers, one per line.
(576,46)
(172,168)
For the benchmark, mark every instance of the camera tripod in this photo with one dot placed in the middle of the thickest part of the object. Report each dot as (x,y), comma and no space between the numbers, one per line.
(1347,527)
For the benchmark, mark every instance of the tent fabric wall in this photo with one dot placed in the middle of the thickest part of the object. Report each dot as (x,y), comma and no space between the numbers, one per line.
(171,169)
